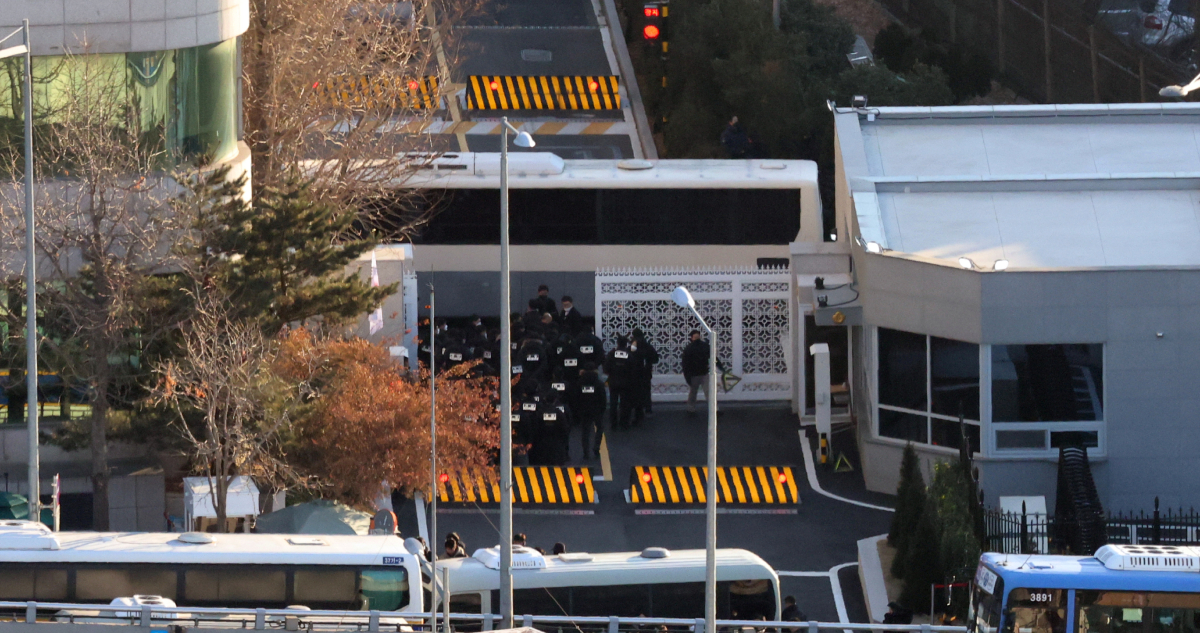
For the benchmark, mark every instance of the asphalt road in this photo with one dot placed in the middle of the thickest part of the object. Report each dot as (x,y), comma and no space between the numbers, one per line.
(821,535)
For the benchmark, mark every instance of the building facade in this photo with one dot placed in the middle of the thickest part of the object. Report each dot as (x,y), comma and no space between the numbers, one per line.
(1033,272)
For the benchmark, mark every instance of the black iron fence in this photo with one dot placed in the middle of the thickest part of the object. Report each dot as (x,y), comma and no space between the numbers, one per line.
(1027,533)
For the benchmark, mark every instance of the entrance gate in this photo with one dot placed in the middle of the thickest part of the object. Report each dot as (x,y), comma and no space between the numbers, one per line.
(749,309)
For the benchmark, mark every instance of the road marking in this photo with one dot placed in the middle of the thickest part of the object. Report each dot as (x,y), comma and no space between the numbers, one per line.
(605,460)
(811,470)
(422,522)
(836,586)
(668,511)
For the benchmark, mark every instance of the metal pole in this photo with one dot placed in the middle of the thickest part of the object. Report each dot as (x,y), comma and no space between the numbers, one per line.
(31,343)
(506,594)
(775,14)
(710,509)
(446,600)
(433,475)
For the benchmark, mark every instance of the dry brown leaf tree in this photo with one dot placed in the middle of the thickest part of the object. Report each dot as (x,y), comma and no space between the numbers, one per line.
(231,408)
(337,88)
(368,423)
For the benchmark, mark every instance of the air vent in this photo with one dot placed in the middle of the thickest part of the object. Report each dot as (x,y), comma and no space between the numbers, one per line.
(773,166)
(635,164)
(576,557)
(656,552)
(306,540)
(195,538)
(1149,557)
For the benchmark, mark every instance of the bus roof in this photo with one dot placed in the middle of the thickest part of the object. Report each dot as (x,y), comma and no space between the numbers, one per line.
(165,547)
(542,170)
(1083,572)
(583,569)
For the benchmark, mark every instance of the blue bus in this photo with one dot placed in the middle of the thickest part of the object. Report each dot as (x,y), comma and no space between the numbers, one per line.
(1122,589)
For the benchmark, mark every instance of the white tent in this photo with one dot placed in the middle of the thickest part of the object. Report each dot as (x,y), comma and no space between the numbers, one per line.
(241,500)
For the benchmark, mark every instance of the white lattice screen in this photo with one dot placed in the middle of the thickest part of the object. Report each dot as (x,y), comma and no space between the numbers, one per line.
(749,309)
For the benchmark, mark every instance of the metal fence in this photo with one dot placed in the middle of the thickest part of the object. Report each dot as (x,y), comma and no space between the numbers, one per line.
(147,616)
(1063,51)
(1017,533)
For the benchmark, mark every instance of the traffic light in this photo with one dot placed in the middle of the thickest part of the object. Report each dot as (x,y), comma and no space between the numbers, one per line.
(654,25)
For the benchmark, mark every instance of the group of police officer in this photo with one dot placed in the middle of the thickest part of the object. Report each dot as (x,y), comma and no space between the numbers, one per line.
(561,373)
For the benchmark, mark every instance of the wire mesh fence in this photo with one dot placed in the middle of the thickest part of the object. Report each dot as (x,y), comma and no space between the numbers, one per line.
(1059,51)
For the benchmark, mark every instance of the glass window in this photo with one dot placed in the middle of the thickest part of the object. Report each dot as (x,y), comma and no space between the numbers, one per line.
(544,601)
(751,600)
(180,103)
(51,584)
(466,603)
(954,377)
(903,426)
(949,433)
(325,588)
(1013,440)
(1086,439)
(232,586)
(1036,611)
(115,582)
(984,613)
(385,589)
(902,369)
(1137,612)
(16,583)
(678,600)
(1047,383)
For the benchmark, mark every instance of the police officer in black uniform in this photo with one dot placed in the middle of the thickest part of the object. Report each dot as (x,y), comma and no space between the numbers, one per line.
(588,401)
(645,358)
(620,369)
(591,348)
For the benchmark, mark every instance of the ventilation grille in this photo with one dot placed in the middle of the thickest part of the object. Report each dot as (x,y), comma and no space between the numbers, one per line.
(1149,557)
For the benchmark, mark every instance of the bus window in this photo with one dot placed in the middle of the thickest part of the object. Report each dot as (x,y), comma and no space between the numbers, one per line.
(16,583)
(677,600)
(385,589)
(330,588)
(233,586)
(543,601)
(1036,611)
(602,600)
(466,603)
(751,600)
(104,584)
(1137,612)
(50,584)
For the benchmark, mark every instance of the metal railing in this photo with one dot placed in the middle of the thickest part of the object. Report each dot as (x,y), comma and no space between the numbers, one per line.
(310,620)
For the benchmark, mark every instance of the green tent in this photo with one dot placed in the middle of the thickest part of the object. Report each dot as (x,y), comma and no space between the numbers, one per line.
(314,517)
(13,506)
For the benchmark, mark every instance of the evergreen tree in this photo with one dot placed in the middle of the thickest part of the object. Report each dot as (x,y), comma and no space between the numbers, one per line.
(910,503)
(923,566)
(283,259)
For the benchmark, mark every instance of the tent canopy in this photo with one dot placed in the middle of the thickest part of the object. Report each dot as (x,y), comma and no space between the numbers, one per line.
(315,517)
(240,500)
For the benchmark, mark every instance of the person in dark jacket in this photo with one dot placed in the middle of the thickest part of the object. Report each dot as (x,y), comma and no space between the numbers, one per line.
(531,321)
(645,358)
(569,320)
(588,402)
(620,369)
(544,303)
(792,613)
(591,348)
(695,369)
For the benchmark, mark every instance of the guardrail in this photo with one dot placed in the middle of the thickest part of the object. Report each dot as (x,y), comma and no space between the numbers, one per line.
(309,620)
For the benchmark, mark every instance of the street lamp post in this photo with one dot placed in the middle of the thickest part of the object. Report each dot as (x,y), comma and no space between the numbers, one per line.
(1180,91)
(523,139)
(433,474)
(684,299)
(31,372)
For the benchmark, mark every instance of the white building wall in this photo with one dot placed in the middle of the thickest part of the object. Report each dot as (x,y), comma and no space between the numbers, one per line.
(59,27)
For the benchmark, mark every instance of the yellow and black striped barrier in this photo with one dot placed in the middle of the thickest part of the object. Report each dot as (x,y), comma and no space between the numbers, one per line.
(533,485)
(380,92)
(771,485)
(494,92)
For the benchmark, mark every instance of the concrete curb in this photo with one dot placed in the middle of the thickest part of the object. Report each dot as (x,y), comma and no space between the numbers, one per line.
(870,575)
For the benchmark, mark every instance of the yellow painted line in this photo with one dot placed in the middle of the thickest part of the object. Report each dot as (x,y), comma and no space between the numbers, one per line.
(551,128)
(671,485)
(519,475)
(562,486)
(724,485)
(658,488)
(766,485)
(791,482)
(597,128)
(643,484)
(781,494)
(575,496)
(748,477)
(605,461)
(681,474)
(468,486)
(701,490)
(587,485)
(737,484)
(535,485)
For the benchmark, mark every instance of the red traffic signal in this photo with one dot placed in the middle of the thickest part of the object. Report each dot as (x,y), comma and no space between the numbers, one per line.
(646,477)
(650,11)
(579,478)
(593,85)
(495,85)
(650,32)
(443,477)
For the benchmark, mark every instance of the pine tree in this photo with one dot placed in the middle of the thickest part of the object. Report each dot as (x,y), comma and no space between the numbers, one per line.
(283,258)
(923,566)
(910,504)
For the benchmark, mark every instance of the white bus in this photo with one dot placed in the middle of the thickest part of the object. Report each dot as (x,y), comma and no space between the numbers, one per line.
(270,571)
(655,583)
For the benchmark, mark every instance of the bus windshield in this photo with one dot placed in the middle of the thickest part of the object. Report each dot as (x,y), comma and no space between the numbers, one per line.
(986,594)
(1036,611)
(1137,612)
